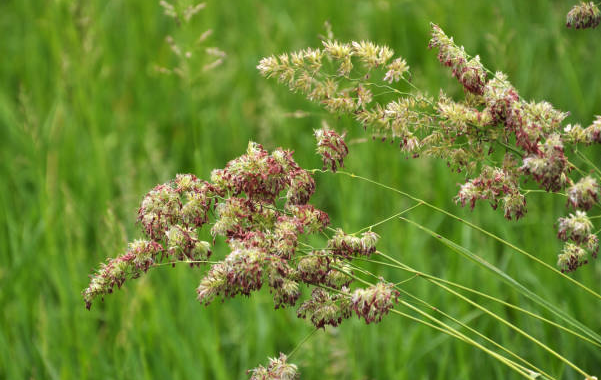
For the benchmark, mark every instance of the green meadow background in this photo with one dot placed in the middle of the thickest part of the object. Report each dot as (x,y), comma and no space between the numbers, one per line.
(87,126)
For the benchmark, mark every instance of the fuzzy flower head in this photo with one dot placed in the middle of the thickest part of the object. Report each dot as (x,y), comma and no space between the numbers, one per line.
(550,166)
(469,71)
(584,194)
(331,147)
(347,246)
(374,302)
(571,258)
(396,69)
(593,132)
(324,308)
(278,369)
(583,16)
(317,268)
(138,258)
(576,227)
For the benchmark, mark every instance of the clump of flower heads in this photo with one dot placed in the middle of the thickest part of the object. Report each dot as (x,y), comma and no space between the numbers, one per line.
(348,246)
(584,193)
(374,302)
(584,15)
(576,230)
(331,147)
(497,139)
(259,204)
(278,369)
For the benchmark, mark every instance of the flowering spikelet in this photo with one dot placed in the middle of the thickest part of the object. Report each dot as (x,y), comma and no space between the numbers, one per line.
(495,185)
(371,54)
(257,174)
(348,246)
(584,194)
(278,369)
(374,302)
(138,258)
(302,187)
(240,273)
(159,210)
(593,132)
(396,69)
(575,227)
(531,122)
(549,166)
(584,15)
(469,71)
(499,96)
(324,308)
(183,244)
(316,268)
(571,258)
(331,147)
(308,219)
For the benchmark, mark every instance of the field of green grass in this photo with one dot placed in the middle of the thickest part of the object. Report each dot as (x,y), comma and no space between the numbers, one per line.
(87,127)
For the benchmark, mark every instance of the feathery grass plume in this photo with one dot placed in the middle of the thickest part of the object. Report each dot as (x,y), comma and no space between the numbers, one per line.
(278,369)
(584,15)
(495,137)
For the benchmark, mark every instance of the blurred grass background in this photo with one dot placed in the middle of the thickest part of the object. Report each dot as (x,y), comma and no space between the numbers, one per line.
(87,127)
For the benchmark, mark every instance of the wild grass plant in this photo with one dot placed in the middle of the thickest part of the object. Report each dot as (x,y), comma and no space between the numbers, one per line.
(152,327)
(264,228)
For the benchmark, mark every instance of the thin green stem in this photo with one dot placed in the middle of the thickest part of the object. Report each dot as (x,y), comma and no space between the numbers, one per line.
(303,341)
(473,226)
(449,329)
(508,279)
(588,161)
(405,267)
(368,228)
(461,323)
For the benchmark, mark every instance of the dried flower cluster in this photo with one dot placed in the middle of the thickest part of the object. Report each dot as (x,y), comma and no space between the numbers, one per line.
(260,204)
(583,16)
(494,136)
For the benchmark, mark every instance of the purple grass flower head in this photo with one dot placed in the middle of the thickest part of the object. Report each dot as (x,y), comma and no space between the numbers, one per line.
(302,187)
(584,193)
(584,15)
(347,246)
(138,258)
(593,132)
(468,71)
(331,147)
(497,185)
(576,227)
(572,257)
(316,268)
(374,302)
(324,308)
(550,166)
(278,369)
